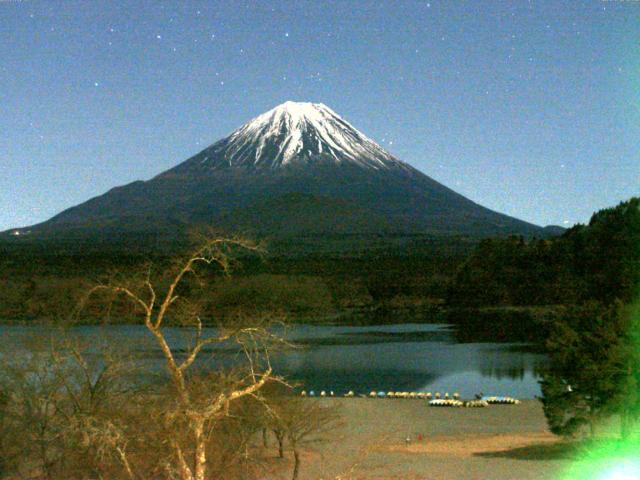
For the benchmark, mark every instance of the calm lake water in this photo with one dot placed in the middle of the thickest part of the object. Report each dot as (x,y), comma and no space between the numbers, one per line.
(406,357)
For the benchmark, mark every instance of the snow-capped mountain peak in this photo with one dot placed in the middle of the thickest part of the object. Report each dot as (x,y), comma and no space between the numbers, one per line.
(296,171)
(296,133)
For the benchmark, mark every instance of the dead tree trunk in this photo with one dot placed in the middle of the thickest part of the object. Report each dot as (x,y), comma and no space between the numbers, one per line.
(296,463)
(200,454)
(280,438)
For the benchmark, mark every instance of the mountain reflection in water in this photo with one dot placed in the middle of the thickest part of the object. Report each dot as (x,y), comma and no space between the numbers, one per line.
(407,357)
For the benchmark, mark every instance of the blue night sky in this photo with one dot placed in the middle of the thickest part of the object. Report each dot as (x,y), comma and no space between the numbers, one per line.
(529,108)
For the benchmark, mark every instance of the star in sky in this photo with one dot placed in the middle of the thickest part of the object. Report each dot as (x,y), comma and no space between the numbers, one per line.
(520,72)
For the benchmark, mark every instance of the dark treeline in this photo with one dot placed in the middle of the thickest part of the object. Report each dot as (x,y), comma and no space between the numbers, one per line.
(41,280)
(599,262)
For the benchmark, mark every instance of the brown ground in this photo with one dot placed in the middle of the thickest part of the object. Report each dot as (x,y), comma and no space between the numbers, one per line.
(468,445)
(497,442)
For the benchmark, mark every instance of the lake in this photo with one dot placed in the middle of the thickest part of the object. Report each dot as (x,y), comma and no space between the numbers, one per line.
(407,357)
(402,357)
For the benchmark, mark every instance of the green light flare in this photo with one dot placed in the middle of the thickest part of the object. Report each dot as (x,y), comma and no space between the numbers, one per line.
(606,460)
(615,458)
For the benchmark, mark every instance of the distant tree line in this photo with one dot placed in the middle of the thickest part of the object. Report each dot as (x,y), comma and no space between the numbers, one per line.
(37,282)
(594,262)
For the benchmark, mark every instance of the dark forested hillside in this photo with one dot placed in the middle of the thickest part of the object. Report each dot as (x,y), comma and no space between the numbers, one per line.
(599,261)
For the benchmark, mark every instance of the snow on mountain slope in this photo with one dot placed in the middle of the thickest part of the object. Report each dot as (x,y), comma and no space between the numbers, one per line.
(298,169)
(295,133)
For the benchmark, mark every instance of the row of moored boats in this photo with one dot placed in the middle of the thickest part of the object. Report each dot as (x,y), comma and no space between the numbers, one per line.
(435,400)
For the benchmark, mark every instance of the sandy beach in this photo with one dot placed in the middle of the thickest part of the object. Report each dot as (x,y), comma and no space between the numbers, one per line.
(406,439)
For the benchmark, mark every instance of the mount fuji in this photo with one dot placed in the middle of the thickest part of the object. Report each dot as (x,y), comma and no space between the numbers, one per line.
(298,170)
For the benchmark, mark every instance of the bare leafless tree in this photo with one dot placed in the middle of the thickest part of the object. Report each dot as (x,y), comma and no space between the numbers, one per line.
(197,409)
(54,390)
(301,422)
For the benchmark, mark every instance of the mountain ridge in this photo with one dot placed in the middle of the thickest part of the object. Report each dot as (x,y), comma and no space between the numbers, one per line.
(335,179)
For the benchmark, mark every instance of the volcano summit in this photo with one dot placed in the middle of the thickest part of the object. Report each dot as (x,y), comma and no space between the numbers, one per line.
(294,134)
(296,170)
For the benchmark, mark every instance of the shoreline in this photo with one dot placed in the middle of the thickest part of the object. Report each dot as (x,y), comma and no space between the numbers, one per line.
(499,441)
